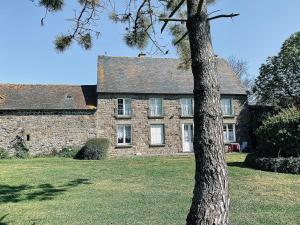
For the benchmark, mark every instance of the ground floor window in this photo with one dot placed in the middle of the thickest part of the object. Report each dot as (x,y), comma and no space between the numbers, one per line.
(124,134)
(157,133)
(229,133)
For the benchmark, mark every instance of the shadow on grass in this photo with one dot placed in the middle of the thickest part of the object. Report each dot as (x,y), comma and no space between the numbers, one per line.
(40,192)
(2,220)
(237,164)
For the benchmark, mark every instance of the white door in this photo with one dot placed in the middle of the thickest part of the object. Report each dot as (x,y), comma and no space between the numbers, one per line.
(187,137)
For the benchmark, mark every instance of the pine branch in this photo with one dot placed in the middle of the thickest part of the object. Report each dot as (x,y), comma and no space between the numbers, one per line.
(171,14)
(179,40)
(170,19)
(223,16)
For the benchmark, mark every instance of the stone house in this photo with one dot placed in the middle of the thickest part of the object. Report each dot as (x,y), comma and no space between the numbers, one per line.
(142,105)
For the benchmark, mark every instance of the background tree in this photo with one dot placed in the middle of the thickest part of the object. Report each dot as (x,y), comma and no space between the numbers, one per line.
(279,80)
(210,202)
(240,67)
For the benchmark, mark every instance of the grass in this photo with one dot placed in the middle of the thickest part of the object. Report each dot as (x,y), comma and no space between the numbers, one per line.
(151,190)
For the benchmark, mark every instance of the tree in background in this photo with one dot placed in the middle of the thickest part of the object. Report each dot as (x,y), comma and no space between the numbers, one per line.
(279,80)
(240,68)
(191,32)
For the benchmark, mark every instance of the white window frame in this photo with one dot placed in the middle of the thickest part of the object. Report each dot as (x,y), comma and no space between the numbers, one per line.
(226,140)
(124,107)
(155,114)
(124,133)
(231,106)
(182,102)
(163,137)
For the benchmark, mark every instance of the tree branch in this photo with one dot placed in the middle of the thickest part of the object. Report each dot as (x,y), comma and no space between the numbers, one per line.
(170,19)
(179,40)
(171,14)
(199,8)
(223,16)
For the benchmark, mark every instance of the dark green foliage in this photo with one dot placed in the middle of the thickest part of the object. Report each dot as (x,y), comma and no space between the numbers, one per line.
(68,152)
(259,113)
(136,39)
(53,5)
(22,152)
(279,80)
(94,149)
(63,42)
(4,153)
(280,165)
(279,135)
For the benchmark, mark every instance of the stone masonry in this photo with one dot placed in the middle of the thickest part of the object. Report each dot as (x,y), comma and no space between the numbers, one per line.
(107,123)
(45,132)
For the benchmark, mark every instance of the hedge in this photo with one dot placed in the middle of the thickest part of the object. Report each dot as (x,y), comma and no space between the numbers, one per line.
(280,165)
(94,149)
(279,135)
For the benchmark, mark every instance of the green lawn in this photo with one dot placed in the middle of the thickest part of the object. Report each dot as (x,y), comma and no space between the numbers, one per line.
(150,190)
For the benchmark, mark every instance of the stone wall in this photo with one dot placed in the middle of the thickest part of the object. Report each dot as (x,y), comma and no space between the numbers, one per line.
(107,123)
(46,131)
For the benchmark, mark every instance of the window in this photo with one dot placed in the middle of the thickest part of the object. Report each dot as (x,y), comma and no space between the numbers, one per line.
(229,133)
(187,107)
(124,134)
(156,107)
(157,132)
(28,137)
(124,107)
(226,105)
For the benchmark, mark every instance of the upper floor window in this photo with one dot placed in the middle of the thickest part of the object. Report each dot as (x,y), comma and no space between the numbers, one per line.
(124,134)
(226,105)
(229,133)
(187,106)
(124,107)
(156,107)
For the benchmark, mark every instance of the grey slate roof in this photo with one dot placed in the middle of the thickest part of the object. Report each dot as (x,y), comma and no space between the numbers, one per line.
(47,97)
(156,75)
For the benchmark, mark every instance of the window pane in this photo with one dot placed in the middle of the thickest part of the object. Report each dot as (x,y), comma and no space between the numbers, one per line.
(230,136)
(226,106)
(187,106)
(156,107)
(128,134)
(120,134)
(127,106)
(120,107)
(157,134)
(228,133)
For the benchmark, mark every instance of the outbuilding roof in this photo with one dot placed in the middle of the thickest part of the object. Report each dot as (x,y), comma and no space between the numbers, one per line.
(47,97)
(156,76)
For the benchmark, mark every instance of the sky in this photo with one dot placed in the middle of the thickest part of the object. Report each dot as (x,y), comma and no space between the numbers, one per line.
(27,53)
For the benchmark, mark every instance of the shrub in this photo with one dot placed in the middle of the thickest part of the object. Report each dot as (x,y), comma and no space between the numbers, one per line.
(280,165)
(68,152)
(4,153)
(22,152)
(279,135)
(94,149)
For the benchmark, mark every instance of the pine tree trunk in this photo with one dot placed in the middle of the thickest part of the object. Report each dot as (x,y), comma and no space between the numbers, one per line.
(210,204)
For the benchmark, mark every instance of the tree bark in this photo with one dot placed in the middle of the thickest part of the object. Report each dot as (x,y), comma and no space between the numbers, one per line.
(210,204)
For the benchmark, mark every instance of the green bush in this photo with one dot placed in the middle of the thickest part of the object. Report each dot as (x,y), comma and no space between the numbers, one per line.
(4,153)
(22,152)
(68,152)
(280,165)
(279,135)
(94,149)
